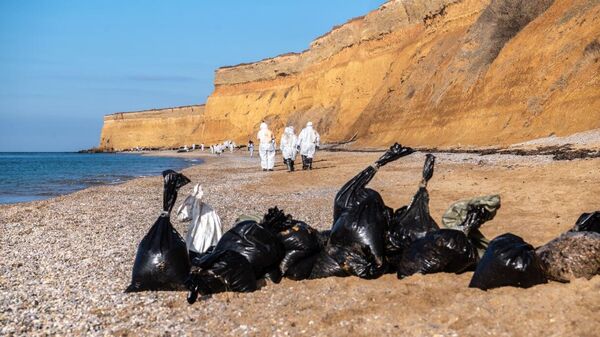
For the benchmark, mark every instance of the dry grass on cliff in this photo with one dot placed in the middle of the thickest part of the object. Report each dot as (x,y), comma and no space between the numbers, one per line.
(66,261)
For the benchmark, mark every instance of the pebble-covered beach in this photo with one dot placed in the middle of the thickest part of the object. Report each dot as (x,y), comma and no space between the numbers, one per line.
(65,262)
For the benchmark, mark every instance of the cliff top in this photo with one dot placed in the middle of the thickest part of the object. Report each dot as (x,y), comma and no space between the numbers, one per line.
(156,110)
(322,36)
(388,17)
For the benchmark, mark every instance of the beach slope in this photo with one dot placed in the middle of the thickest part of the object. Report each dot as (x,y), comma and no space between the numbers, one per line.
(66,261)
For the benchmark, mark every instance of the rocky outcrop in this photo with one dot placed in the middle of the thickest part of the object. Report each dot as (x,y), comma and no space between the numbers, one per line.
(427,73)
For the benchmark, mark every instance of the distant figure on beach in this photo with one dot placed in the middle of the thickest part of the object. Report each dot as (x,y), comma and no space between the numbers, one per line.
(308,142)
(288,147)
(231,146)
(266,147)
(251,148)
(202,147)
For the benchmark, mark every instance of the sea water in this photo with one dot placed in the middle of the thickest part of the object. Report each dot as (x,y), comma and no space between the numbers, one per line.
(35,176)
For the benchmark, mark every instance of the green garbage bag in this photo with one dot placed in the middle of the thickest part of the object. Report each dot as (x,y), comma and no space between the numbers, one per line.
(457,213)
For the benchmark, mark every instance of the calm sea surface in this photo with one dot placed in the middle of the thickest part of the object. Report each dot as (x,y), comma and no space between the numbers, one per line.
(34,176)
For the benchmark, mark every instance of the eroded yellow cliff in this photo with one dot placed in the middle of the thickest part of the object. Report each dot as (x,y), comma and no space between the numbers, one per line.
(158,128)
(422,72)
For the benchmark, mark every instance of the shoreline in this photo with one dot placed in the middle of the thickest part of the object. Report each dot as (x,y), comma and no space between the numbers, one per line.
(509,158)
(89,240)
(117,178)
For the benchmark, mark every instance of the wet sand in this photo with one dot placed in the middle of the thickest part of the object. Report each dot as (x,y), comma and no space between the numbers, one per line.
(65,262)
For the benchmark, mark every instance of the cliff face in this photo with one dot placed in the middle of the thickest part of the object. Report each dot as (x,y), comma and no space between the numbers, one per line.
(427,73)
(170,127)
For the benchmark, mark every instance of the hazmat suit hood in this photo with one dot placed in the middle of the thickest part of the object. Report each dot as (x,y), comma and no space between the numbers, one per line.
(264,134)
(288,139)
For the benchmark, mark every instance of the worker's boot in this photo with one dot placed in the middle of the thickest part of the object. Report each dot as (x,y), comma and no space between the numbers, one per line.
(309,163)
(288,163)
(291,167)
(304,163)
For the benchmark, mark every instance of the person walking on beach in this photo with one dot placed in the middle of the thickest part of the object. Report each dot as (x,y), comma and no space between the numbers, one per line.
(308,142)
(288,147)
(266,147)
(251,148)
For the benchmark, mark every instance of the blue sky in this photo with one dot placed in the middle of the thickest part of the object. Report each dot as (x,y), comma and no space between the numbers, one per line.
(65,64)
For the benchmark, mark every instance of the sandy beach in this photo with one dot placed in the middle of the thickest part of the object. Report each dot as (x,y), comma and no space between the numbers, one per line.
(65,262)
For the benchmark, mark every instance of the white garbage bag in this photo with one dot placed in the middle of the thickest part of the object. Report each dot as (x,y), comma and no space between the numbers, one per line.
(205,228)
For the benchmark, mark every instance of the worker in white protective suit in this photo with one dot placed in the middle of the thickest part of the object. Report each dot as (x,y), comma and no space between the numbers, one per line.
(308,142)
(205,228)
(251,148)
(288,147)
(266,147)
(218,149)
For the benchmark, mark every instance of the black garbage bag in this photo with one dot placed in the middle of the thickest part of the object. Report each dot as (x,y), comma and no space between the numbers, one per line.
(358,260)
(299,241)
(246,253)
(508,261)
(302,269)
(220,271)
(318,264)
(162,261)
(414,221)
(445,250)
(257,242)
(196,258)
(322,265)
(361,219)
(587,222)
(354,192)
(323,237)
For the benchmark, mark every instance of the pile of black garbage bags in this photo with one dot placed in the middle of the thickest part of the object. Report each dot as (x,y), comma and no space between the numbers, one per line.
(367,239)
